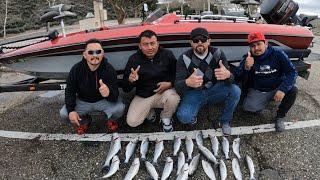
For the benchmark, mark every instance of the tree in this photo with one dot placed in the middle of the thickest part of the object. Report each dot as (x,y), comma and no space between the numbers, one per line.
(117,6)
(5,19)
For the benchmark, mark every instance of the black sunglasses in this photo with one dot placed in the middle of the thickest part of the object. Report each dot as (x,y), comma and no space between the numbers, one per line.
(202,39)
(94,52)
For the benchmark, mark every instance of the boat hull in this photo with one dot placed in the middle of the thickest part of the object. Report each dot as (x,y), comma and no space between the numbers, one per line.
(53,59)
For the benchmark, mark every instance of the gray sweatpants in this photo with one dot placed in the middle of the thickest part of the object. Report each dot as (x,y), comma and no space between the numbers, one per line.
(113,110)
(257,100)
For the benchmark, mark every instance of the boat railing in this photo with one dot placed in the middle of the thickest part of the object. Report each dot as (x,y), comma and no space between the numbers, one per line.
(24,42)
(215,18)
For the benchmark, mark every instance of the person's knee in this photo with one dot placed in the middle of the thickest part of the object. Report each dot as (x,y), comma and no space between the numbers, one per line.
(64,114)
(235,91)
(173,100)
(184,116)
(132,122)
(250,107)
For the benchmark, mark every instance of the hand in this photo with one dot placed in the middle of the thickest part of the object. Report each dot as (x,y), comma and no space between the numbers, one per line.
(193,80)
(74,118)
(249,62)
(222,73)
(162,86)
(279,96)
(104,90)
(134,74)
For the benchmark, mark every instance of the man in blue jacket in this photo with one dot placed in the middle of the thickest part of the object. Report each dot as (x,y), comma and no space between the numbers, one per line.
(270,75)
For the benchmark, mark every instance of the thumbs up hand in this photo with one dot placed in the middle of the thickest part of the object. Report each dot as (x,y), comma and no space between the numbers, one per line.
(134,74)
(249,62)
(104,90)
(222,72)
(194,80)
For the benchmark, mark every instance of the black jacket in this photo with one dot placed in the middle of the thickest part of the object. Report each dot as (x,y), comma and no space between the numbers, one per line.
(84,83)
(161,69)
(183,72)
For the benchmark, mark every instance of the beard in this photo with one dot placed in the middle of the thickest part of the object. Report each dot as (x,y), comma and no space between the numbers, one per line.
(94,61)
(200,49)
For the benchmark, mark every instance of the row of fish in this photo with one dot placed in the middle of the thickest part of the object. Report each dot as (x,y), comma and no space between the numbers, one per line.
(184,170)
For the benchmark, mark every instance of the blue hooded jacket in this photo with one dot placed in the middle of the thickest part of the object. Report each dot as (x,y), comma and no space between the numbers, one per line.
(272,70)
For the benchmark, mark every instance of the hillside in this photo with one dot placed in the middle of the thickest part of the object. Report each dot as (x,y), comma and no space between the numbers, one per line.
(25,15)
(316,25)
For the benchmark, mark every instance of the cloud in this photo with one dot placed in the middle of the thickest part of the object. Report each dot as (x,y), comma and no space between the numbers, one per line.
(309,7)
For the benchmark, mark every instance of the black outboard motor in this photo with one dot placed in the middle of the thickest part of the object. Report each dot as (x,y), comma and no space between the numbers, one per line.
(279,11)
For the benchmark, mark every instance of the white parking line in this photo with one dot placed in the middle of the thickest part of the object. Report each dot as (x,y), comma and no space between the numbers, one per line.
(160,135)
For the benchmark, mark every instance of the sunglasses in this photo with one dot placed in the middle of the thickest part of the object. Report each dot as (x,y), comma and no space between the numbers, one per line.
(95,52)
(202,39)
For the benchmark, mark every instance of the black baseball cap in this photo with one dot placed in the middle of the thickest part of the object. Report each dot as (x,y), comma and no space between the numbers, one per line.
(199,32)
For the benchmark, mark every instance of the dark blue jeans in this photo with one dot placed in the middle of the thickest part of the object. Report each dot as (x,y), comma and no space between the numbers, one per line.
(193,100)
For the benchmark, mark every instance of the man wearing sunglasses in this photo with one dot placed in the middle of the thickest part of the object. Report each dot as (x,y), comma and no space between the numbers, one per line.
(203,78)
(92,86)
(270,75)
(152,71)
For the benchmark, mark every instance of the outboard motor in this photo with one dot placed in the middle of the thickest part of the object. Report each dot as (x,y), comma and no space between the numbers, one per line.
(279,11)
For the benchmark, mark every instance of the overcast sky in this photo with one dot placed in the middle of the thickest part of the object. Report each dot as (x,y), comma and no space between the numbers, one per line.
(310,7)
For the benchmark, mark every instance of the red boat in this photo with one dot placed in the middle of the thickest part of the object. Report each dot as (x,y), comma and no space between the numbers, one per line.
(53,58)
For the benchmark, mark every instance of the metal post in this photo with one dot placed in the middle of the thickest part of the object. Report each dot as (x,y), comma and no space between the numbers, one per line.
(63,29)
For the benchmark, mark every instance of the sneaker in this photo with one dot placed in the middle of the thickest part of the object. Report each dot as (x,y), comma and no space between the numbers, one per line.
(151,116)
(167,125)
(82,129)
(112,126)
(84,126)
(226,129)
(279,124)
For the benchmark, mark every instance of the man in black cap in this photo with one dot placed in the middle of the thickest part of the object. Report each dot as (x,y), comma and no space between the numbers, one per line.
(203,78)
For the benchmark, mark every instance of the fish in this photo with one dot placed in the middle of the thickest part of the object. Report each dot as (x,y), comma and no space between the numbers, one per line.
(208,169)
(133,170)
(144,148)
(114,149)
(194,164)
(130,148)
(176,145)
(250,167)
(236,169)
(236,147)
(207,153)
(181,161)
(168,167)
(157,151)
(152,170)
(115,163)
(223,170)
(183,175)
(189,147)
(199,138)
(214,145)
(225,147)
